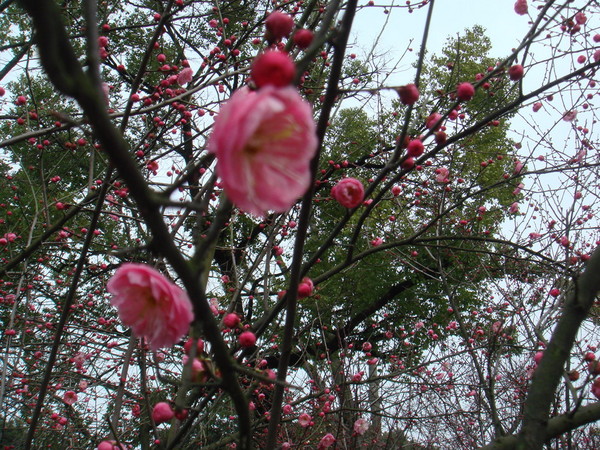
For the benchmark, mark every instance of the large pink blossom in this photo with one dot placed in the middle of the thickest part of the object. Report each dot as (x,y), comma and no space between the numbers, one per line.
(264,141)
(150,304)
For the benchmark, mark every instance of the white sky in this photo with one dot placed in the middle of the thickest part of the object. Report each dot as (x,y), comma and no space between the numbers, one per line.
(504,27)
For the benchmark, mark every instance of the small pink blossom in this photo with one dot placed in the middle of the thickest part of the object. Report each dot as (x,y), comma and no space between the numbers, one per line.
(304,420)
(515,72)
(521,7)
(214,305)
(518,167)
(537,106)
(580,18)
(361,426)
(518,189)
(154,307)
(514,208)
(303,38)
(264,141)
(231,320)
(570,116)
(415,148)
(442,175)
(376,242)
(432,120)
(185,76)
(349,192)
(70,397)
(326,441)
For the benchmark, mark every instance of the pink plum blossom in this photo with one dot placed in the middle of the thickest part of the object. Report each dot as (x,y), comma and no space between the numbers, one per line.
(70,397)
(442,175)
(377,242)
(326,441)
(514,208)
(518,189)
(518,167)
(185,76)
(432,120)
(154,307)
(349,192)
(304,420)
(264,141)
(569,116)
(361,426)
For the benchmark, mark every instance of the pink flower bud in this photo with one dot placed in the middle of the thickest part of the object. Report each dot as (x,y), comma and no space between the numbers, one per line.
(273,68)
(515,72)
(279,25)
(409,94)
(231,320)
(162,412)
(415,148)
(465,91)
(305,288)
(247,339)
(303,38)
(521,7)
